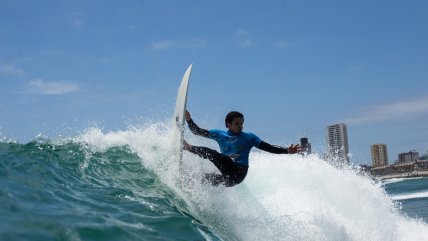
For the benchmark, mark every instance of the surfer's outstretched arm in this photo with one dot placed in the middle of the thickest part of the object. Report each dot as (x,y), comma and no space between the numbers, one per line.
(195,128)
(292,149)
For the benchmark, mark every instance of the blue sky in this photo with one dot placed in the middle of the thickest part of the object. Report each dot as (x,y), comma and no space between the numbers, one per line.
(292,67)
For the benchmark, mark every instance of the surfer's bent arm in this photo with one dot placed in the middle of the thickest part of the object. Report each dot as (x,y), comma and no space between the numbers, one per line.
(196,130)
(272,149)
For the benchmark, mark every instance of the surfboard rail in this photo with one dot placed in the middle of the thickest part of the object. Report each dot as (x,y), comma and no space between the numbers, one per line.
(180,107)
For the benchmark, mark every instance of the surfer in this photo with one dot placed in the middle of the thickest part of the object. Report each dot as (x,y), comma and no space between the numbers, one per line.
(235,146)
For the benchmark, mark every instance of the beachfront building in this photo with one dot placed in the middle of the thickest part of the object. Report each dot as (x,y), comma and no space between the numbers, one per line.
(408,156)
(379,155)
(337,142)
(409,164)
(306,146)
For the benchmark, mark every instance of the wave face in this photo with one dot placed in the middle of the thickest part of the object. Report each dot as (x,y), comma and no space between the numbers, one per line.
(128,185)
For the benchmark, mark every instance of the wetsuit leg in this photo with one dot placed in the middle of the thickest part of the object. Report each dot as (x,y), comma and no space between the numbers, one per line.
(231,173)
(222,162)
(236,176)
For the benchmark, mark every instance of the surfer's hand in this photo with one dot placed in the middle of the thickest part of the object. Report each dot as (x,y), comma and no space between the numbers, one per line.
(187,116)
(293,149)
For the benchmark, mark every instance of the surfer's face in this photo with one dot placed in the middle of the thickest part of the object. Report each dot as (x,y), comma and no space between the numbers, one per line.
(236,126)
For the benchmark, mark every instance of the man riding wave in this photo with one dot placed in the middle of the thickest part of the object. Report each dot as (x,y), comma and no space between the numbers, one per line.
(235,146)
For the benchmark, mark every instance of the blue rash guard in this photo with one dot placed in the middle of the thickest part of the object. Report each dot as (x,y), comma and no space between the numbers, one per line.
(236,146)
(232,162)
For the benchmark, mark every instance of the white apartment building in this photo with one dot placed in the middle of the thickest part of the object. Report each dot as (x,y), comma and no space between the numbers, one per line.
(337,142)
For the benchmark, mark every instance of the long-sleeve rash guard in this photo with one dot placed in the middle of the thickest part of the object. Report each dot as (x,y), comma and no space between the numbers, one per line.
(237,146)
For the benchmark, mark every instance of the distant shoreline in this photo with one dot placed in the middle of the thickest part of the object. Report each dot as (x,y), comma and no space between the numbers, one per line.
(412,174)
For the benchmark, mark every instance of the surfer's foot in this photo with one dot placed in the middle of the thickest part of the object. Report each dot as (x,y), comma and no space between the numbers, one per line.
(186,146)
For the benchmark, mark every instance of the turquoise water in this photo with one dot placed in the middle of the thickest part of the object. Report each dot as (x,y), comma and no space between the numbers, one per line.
(65,192)
(125,186)
(411,194)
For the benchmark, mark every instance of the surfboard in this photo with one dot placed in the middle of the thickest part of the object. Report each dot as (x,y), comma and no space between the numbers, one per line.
(180,108)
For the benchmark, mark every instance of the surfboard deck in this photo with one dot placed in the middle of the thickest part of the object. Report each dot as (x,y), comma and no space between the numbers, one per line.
(180,107)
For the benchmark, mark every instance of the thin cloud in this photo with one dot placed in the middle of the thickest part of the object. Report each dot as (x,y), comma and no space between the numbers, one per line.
(78,23)
(241,32)
(39,86)
(243,39)
(11,70)
(247,43)
(392,111)
(170,44)
(76,19)
(163,45)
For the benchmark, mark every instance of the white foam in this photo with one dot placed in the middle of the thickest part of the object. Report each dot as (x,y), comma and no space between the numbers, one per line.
(410,196)
(395,180)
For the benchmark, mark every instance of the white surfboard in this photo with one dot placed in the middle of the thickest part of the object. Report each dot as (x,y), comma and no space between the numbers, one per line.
(180,107)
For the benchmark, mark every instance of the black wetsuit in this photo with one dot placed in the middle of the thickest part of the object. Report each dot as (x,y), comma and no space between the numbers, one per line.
(232,173)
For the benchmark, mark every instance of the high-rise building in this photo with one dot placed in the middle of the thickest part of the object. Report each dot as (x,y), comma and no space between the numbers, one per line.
(379,155)
(337,142)
(408,156)
(306,146)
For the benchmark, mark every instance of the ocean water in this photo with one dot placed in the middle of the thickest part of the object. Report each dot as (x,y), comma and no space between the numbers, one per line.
(411,194)
(127,185)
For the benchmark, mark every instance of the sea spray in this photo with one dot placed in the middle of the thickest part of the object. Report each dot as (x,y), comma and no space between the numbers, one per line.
(284,197)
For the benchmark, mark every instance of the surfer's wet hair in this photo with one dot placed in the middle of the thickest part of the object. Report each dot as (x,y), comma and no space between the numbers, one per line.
(231,116)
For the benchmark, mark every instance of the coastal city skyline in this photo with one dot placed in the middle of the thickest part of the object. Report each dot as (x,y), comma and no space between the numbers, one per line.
(409,164)
(337,144)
